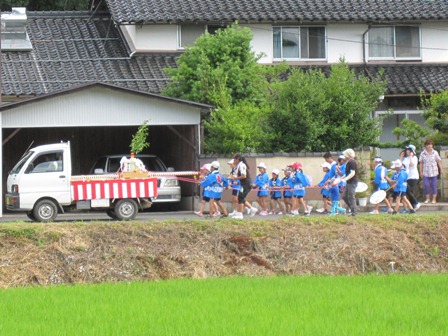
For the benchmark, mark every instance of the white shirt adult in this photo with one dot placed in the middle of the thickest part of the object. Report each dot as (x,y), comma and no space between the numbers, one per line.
(411,162)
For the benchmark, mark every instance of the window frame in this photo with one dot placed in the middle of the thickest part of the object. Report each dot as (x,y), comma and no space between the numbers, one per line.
(300,44)
(394,44)
(179,36)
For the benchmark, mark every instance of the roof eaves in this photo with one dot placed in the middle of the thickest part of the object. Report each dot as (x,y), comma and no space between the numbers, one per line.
(119,88)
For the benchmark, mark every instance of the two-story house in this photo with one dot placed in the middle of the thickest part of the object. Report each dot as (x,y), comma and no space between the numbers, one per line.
(406,38)
(128,43)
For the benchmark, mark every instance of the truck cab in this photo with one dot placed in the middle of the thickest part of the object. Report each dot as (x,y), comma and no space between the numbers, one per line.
(43,172)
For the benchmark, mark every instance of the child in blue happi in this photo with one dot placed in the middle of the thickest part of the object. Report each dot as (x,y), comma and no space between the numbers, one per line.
(261,183)
(380,183)
(286,184)
(205,170)
(325,189)
(216,184)
(276,194)
(335,197)
(340,171)
(400,177)
(299,183)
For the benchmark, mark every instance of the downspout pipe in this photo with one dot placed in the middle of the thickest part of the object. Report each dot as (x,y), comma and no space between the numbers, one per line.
(364,56)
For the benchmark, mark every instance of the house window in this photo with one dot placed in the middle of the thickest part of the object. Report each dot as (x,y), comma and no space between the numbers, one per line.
(299,42)
(397,42)
(188,34)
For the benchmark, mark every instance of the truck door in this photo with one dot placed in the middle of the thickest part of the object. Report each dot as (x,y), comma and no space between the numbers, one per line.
(46,175)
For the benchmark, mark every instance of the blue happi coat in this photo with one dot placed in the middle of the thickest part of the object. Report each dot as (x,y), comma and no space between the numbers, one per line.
(275,184)
(262,182)
(214,185)
(299,182)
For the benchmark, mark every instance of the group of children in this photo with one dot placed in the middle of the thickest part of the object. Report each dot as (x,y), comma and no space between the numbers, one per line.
(286,194)
(397,182)
(291,188)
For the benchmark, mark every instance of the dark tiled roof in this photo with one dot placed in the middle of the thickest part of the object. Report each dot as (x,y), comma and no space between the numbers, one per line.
(77,49)
(152,11)
(73,50)
(411,78)
(403,79)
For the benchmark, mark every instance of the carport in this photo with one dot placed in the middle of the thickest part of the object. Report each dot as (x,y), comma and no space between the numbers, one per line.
(100,119)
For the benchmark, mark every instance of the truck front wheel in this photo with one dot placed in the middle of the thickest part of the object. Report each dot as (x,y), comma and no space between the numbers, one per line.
(45,211)
(126,209)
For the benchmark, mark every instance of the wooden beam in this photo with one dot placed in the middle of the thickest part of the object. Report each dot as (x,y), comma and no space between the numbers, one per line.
(12,135)
(181,136)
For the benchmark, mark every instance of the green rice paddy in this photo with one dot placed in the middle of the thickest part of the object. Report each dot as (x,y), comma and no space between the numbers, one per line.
(314,305)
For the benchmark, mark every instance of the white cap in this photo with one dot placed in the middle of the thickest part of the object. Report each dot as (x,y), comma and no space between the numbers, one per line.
(231,161)
(215,164)
(377,159)
(275,171)
(396,164)
(341,156)
(261,165)
(208,166)
(326,165)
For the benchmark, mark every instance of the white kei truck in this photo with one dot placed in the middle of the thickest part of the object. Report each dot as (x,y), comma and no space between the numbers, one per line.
(42,185)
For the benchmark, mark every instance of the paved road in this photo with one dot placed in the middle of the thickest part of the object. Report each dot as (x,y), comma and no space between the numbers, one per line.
(171,215)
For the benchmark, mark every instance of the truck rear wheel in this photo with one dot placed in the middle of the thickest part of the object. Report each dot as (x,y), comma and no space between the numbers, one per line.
(126,209)
(111,214)
(45,211)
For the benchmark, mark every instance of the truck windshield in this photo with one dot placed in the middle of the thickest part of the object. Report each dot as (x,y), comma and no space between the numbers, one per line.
(21,163)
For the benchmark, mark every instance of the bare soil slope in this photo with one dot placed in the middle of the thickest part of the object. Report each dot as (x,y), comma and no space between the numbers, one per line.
(69,253)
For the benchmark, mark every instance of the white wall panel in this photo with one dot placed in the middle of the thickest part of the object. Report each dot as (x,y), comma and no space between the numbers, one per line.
(156,37)
(434,42)
(262,41)
(99,106)
(345,40)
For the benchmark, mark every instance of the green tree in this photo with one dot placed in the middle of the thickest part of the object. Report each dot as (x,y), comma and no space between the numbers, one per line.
(313,112)
(436,115)
(294,120)
(221,70)
(412,132)
(236,128)
(217,61)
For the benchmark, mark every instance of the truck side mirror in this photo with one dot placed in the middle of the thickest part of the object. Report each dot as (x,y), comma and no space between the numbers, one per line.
(98,171)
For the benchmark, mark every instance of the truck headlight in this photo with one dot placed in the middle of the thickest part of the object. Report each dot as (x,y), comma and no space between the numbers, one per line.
(171,183)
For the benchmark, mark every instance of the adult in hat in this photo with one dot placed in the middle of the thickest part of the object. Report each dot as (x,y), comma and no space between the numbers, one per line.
(351,177)
(410,161)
